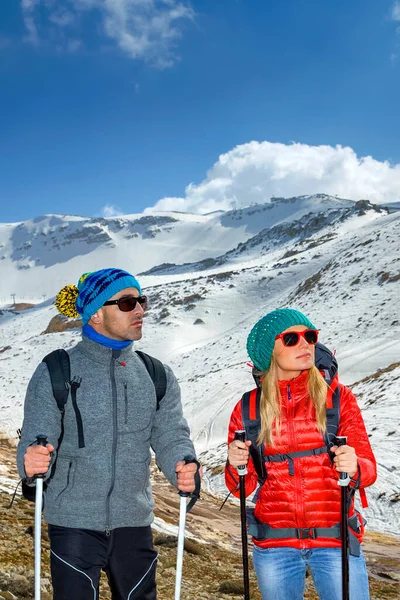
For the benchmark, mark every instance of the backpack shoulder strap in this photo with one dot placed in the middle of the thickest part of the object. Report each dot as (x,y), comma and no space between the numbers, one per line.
(332,412)
(156,370)
(60,373)
(326,362)
(252,424)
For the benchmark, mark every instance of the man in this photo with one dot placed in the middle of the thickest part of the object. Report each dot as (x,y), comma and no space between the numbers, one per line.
(98,501)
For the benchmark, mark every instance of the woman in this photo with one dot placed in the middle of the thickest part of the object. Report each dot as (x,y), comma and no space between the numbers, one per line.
(300,496)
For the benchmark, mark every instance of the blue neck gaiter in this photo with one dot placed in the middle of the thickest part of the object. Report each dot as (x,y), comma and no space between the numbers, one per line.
(89,332)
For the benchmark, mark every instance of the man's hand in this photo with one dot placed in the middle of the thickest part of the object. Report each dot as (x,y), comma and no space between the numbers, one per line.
(186,473)
(238,453)
(345,459)
(37,459)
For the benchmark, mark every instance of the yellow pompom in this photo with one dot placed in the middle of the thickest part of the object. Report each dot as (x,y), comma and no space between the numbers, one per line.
(65,301)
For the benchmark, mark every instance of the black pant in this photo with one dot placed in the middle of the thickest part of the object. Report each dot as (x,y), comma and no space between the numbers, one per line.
(126,555)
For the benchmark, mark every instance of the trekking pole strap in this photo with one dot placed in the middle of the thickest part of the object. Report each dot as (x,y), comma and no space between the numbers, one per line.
(197,482)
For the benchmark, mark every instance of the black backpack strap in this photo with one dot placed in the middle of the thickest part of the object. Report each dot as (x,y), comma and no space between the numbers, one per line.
(60,373)
(327,365)
(156,370)
(252,425)
(333,418)
(290,456)
(263,531)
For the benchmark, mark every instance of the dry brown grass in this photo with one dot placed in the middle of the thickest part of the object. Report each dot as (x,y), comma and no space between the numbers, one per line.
(21,306)
(377,374)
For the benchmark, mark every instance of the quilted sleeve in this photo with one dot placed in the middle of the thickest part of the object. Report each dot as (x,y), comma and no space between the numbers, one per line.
(352,425)
(231,474)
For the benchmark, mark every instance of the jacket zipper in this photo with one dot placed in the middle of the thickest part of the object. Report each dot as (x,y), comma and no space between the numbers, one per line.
(115,354)
(297,470)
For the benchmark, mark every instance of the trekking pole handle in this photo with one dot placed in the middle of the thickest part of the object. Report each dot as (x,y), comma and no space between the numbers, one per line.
(196,494)
(240,434)
(41,441)
(344,479)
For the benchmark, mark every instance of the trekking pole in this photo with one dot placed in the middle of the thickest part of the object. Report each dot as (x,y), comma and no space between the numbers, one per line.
(240,435)
(42,441)
(344,481)
(181,543)
(183,509)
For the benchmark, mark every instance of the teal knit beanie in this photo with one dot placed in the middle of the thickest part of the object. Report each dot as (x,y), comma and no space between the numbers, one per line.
(261,339)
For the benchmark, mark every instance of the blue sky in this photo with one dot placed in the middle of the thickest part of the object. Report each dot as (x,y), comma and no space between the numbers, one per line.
(106,109)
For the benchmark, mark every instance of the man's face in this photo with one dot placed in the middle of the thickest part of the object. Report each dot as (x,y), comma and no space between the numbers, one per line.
(117,324)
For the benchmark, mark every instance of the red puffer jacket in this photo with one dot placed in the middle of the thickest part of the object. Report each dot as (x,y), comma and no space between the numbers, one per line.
(311,497)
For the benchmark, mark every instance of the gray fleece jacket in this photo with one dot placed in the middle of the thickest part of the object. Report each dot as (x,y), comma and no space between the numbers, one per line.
(106,484)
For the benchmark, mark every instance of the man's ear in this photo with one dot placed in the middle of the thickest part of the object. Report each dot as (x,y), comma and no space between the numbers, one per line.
(96,318)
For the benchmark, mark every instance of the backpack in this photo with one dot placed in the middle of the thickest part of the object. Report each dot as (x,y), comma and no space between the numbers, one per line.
(327,365)
(58,364)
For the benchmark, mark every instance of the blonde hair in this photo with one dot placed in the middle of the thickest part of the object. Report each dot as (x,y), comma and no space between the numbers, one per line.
(270,411)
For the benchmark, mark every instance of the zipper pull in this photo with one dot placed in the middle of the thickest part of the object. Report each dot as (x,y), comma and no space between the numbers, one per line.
(288,392)
(108,532)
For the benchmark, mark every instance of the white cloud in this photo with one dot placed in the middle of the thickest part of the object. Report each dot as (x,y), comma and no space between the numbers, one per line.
(396,11)
(110,211)
(73,45)
(145,29)
(141,29)
(62,17)
(253,172)
(28,10)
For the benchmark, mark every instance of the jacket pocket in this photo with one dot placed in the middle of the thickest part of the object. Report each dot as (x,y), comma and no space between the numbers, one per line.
(132,489)
(134,414)
(126,403)
(63,480)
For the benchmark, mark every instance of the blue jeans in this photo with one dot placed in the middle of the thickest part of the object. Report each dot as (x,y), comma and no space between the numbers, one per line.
(281,573)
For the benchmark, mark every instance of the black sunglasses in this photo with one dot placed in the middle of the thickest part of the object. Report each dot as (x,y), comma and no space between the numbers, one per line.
(292,338)
(128,303)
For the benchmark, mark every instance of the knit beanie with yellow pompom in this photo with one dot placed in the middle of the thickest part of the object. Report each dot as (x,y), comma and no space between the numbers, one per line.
(92,291)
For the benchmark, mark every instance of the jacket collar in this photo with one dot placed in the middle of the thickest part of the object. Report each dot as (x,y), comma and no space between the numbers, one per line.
(99,353)
(298,384)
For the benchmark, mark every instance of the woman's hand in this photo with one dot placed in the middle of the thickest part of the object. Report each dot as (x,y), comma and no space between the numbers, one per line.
(345,459)
(238,453)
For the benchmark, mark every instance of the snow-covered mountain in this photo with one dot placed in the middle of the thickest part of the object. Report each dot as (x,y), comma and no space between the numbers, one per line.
(41,254)
(209,279)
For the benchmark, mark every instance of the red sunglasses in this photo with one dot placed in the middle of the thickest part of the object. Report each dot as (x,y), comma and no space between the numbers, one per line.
(128,303)
(292,338)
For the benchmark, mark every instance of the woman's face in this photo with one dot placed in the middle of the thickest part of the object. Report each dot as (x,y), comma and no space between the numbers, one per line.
(291,360)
